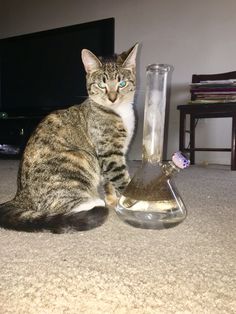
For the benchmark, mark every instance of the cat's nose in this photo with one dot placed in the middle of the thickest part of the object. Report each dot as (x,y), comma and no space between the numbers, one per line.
(112,96)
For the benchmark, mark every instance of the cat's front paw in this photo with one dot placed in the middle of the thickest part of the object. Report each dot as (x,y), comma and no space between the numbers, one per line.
(111,201)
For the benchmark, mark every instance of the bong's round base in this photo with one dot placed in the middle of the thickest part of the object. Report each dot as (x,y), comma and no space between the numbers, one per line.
(151,220)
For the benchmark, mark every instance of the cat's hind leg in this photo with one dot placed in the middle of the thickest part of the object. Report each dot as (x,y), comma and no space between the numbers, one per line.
(88,205)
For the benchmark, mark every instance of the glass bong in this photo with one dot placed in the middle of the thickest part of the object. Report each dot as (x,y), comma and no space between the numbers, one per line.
(151,199)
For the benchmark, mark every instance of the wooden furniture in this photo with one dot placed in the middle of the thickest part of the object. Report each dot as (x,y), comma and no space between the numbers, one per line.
(203,111)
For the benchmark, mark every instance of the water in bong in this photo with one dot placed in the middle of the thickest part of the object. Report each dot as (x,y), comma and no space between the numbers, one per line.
(151,199)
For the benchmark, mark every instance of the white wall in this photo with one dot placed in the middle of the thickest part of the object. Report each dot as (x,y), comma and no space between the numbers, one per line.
(194,36)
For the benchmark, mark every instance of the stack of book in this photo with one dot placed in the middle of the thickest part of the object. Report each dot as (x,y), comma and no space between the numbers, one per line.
(213,91)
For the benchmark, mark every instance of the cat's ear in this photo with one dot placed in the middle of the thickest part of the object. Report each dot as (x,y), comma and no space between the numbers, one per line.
(90,61)
(130,57)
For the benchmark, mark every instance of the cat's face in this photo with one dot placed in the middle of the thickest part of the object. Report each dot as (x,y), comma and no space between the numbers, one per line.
(111,83)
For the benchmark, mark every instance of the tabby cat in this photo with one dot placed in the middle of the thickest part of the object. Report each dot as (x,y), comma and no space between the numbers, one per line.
(73,150)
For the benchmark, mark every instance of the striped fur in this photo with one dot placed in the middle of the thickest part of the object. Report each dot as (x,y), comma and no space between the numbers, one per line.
(73,150)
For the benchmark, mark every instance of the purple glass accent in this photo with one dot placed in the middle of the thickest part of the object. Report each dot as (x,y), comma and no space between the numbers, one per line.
(180,160)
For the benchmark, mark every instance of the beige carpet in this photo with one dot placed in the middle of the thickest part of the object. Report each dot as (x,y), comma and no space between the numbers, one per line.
(117,268)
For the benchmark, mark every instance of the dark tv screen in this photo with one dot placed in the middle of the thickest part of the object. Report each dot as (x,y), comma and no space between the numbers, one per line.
(43,71)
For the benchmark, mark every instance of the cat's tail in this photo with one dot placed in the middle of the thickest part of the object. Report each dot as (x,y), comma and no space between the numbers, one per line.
(11,217)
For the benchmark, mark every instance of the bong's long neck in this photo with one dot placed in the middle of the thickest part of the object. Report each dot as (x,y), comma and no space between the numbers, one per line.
(154,113)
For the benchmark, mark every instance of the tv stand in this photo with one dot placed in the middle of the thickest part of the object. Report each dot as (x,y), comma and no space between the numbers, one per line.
(16,130)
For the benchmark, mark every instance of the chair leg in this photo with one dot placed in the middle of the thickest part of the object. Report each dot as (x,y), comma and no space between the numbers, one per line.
(233,146)
(182,128)
(192,139)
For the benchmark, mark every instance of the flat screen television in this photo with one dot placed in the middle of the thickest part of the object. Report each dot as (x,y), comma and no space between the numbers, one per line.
(43,71)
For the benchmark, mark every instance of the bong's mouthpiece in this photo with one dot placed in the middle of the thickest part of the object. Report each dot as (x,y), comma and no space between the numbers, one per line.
(180,160)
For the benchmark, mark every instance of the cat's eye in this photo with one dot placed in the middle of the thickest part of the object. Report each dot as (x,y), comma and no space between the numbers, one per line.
(122,84)
(102,85)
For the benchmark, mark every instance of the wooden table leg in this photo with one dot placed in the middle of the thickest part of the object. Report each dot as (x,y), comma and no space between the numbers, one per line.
(182,128)
(192,139)
(233,146)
